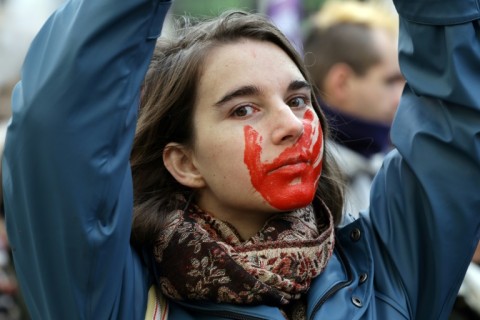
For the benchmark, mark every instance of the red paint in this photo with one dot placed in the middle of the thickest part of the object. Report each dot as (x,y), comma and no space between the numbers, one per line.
(290,180)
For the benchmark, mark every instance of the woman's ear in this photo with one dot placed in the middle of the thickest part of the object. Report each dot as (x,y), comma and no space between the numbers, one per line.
(178,161)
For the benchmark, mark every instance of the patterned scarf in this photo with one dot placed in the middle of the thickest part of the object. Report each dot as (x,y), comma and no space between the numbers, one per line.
(201,258)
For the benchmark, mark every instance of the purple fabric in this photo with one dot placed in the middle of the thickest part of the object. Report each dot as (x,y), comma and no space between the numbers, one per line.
(287,15)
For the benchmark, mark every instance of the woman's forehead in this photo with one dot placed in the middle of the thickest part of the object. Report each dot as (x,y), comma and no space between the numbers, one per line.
(247,63)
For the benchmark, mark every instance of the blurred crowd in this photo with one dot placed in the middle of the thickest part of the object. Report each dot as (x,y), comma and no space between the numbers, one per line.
(351,49)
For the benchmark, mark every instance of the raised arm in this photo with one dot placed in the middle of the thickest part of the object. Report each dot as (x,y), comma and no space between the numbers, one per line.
(66,176)
(426,199)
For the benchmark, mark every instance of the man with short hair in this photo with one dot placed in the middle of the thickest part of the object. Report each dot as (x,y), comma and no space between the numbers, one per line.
(351,52)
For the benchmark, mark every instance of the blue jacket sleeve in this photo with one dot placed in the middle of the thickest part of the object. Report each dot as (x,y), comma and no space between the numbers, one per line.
(425,200)
(66,176)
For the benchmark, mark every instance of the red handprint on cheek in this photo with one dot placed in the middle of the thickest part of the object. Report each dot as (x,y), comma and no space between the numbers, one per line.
(290,180)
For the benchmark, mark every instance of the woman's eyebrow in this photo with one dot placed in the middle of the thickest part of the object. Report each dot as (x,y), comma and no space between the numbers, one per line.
(299,84)
(254,90)
(239,92)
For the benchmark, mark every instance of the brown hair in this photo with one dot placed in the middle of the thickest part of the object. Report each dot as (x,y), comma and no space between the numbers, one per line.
(341,32)
(167,102)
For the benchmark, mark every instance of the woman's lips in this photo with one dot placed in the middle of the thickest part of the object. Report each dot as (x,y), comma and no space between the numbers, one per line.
(291,169)
(292,165)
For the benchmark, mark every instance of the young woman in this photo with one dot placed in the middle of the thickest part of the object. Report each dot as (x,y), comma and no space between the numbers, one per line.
(230,195)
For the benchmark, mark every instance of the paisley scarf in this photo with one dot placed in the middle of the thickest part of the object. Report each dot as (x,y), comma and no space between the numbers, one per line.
(202,258)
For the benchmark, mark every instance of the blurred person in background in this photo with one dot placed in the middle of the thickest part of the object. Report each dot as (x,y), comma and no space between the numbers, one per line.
(351,51)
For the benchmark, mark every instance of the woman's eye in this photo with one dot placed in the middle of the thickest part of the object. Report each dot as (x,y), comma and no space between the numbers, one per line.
(298,102)
(243,111)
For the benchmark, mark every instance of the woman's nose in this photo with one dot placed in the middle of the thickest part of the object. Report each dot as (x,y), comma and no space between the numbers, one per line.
(288,126)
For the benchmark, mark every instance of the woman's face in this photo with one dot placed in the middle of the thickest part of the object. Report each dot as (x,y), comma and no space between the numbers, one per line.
(258,141)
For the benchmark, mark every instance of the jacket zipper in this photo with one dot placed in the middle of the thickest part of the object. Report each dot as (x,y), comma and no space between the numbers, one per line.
(339,285)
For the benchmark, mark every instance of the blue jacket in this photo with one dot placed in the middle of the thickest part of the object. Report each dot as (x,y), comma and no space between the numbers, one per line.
(68,189)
